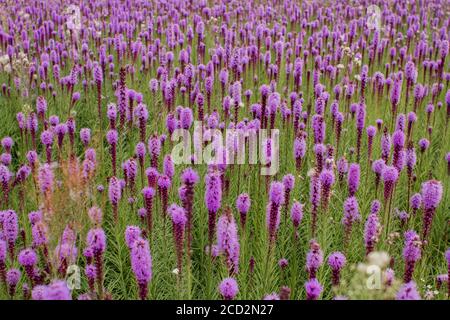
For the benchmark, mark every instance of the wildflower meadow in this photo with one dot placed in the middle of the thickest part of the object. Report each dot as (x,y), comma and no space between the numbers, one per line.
(235,150)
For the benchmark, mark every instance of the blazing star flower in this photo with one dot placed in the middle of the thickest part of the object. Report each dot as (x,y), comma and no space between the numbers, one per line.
(213,199)
(149,194)
(351,215)
(424,144)
(243,206)
(168,166)
(154,148)
(336,261)
(390,176)
(447,258)
(228,288)
(288,182)
(411,253)
(296,213)
(112,137)
(7,143)
(28,259)
(179,219)
(353,179)
(372,227)
(313,289)
(276,199)
(228,240)
(299,151)
(314,259)
(326,181)
(189,178)
(115,194)
(272,296)
(95,214)
(57,290)
(314,197)
(96,241)
(398,139)
(12,279)
(3,249)
(431,197)
(132,233)
(141,264)
(10,230)
(85,136)
(408,291)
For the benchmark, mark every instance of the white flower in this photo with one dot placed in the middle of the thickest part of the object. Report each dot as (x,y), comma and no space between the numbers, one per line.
(175,271)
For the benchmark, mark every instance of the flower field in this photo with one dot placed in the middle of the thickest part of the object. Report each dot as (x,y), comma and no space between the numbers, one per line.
(260,149)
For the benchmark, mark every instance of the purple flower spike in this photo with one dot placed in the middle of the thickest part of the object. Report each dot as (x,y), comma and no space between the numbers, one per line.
(314,259)
(288,182)
(411,253)
(415,202)
(28,259)
(141,264)
(132,233)
(390,176)
(431,197)
(190,178)
(149,195)
(3,251)
(326,181)
(179,220)
(372,227)
(313,289)
(276,199)
(408,291)
(12,279)
(112,137)
(351,216)
(353,179)
(96,241)
(10,230)
(7,144)
(243,206)
(57,290)
(213,200)
(85,136)
(5,177)
(447,257)
(296,214)
(115,194)
(228,240)
(272,296)
(336,261)
(228,288)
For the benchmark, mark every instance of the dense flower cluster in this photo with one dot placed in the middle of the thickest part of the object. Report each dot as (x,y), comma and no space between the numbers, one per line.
(100,99)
